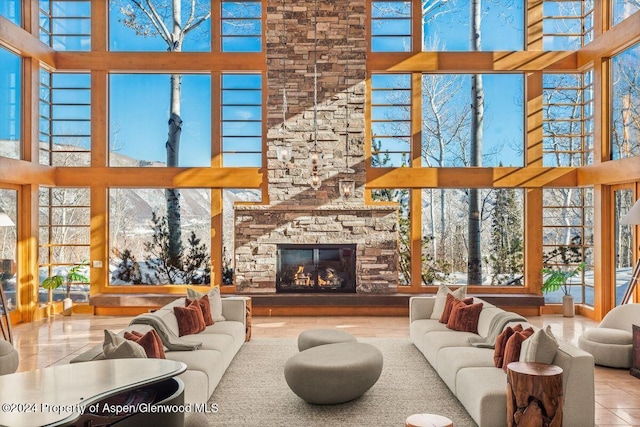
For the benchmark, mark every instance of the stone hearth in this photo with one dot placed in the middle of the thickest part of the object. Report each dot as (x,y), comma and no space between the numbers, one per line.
(296,213)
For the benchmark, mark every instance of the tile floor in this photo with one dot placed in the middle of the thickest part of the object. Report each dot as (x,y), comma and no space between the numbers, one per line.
(59,339)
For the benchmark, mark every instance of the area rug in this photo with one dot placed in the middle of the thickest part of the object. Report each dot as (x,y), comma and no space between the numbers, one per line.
(253,391)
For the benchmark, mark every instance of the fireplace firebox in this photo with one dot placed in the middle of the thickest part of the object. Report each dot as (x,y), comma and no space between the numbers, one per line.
(316,268)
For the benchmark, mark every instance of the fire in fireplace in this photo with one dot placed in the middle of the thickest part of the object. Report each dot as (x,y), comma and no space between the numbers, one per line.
(316,268)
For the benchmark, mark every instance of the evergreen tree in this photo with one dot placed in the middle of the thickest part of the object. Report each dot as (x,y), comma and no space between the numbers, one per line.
(507,258)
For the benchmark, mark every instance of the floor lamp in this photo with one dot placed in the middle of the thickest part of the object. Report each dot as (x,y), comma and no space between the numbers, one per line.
(632,218)
(5,320)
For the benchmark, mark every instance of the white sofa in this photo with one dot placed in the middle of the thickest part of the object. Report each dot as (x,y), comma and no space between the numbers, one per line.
(481,388)
(206,365)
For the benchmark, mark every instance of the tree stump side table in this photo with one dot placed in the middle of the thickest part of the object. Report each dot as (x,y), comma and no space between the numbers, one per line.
(534,395)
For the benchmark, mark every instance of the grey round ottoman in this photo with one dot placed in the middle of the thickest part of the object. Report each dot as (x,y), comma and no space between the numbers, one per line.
(315,337)
(9,359)
(333,373)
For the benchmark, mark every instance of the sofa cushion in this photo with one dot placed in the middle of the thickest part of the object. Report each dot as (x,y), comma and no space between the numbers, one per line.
(215,301)
(150,341)
(464,317)
(115,347)
(441,299)
(418,329)
(435,341)
(540,347)
(190,319)
(608,336)
(205,306)
(209,362)
(448,307)
(452,359)
(513,347)
(483,393)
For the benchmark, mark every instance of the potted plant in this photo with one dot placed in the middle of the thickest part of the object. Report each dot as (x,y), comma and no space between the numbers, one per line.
(54,282)
(556,278)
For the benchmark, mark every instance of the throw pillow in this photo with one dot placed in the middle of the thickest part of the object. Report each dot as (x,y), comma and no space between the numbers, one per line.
(464,317)
(116,347)
(451,300)
(190,319)
(441,299)
(214,299)
(150,341)
(513,347)
(540,347)
(501,342)
(205,306)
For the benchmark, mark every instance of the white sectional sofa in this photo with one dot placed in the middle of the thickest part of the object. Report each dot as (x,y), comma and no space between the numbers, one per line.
(206,365)
(481,388)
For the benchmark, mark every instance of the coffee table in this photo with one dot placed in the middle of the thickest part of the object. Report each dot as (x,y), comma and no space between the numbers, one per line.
(62,395)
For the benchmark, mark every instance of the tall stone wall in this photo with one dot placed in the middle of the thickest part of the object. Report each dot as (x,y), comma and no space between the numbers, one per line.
(297,213)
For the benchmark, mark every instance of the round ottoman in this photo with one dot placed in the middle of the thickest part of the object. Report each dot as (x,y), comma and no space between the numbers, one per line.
(9,359)
(333,373)
(316,337)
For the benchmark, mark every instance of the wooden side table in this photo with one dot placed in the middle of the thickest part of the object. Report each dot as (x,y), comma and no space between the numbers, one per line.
(248,320)
(534,394)
(635,361)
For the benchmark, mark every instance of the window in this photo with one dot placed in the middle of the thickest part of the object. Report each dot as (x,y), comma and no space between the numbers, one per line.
(446,25)
(139,107)
(623,243)
(390,120)
(10,104)
(241,120)
(231,197)
(132,30)
(241,26)
(390,26)
(65,119)
(625,100)
(403,198)
(446,240)
(9,246)
(139,229)
(567,119)
(11,10)
(567,239)
(447,120)
(567,25)
(65,25)
(622,9)
(64,237)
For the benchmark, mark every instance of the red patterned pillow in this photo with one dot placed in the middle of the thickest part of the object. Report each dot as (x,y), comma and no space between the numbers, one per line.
(513,347)
(205,306)
(150,341)
(448,306)
(465,317)
(190,319)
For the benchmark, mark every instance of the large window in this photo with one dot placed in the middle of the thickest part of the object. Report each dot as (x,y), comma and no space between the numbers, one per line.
(448,137)
(10,104)
(66,24)
(141,232)
(133,29)
(11,10)
(567,25)
(65,119)
(9,246)
(142,115)
(622,9)
(568,239)
(446,237)
(447,25)
(623,243)
(391,26)
(568,119)
(64,237)
(241,120)
(625,101)
(241,26)
(390,120)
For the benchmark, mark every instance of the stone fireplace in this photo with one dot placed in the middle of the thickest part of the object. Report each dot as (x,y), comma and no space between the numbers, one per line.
(297,214)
